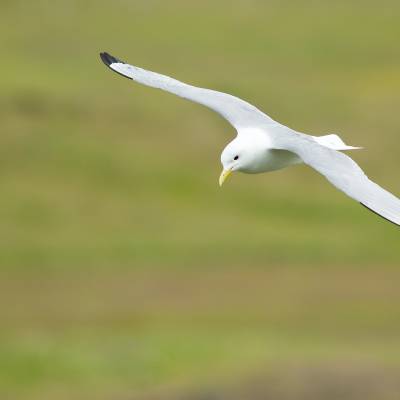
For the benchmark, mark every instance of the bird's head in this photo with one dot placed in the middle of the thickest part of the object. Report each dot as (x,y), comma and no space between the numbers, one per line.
(238,155)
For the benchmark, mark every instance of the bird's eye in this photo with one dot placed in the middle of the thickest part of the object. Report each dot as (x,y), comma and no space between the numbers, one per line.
(236,158)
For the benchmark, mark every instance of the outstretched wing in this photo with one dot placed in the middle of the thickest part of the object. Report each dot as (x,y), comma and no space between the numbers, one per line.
(342,172)
(238,112)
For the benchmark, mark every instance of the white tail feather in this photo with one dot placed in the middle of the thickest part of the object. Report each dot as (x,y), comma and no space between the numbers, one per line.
(334,142)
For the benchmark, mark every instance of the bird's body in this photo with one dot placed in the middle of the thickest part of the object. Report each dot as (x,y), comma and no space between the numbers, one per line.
(264,145)
(272,160)
(264,158)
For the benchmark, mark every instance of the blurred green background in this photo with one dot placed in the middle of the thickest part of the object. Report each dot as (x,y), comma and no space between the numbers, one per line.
(126,272)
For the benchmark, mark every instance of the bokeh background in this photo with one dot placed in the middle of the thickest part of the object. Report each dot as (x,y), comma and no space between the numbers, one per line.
(126,272)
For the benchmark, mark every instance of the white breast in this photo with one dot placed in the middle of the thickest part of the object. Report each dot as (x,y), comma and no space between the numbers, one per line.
(265,158)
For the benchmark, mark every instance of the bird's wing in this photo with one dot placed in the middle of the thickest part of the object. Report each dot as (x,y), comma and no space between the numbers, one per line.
(342,172)
(238,112)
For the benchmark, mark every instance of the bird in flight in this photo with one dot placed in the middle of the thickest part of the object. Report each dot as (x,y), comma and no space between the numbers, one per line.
(263,145)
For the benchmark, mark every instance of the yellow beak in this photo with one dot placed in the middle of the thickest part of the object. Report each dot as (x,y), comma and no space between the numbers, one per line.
(224,174)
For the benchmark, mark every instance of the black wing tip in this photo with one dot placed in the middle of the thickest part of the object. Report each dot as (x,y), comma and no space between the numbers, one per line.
(108,59)
(379,215)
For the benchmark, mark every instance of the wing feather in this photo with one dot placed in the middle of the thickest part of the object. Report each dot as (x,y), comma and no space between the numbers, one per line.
(342,172)
(238,112)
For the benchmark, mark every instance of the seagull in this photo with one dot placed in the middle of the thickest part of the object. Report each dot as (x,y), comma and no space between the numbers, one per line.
(264,145)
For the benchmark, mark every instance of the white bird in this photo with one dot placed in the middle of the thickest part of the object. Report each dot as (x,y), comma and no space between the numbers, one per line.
(263,144)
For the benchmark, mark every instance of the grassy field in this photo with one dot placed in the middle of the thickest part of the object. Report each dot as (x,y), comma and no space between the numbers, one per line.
(126,272)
